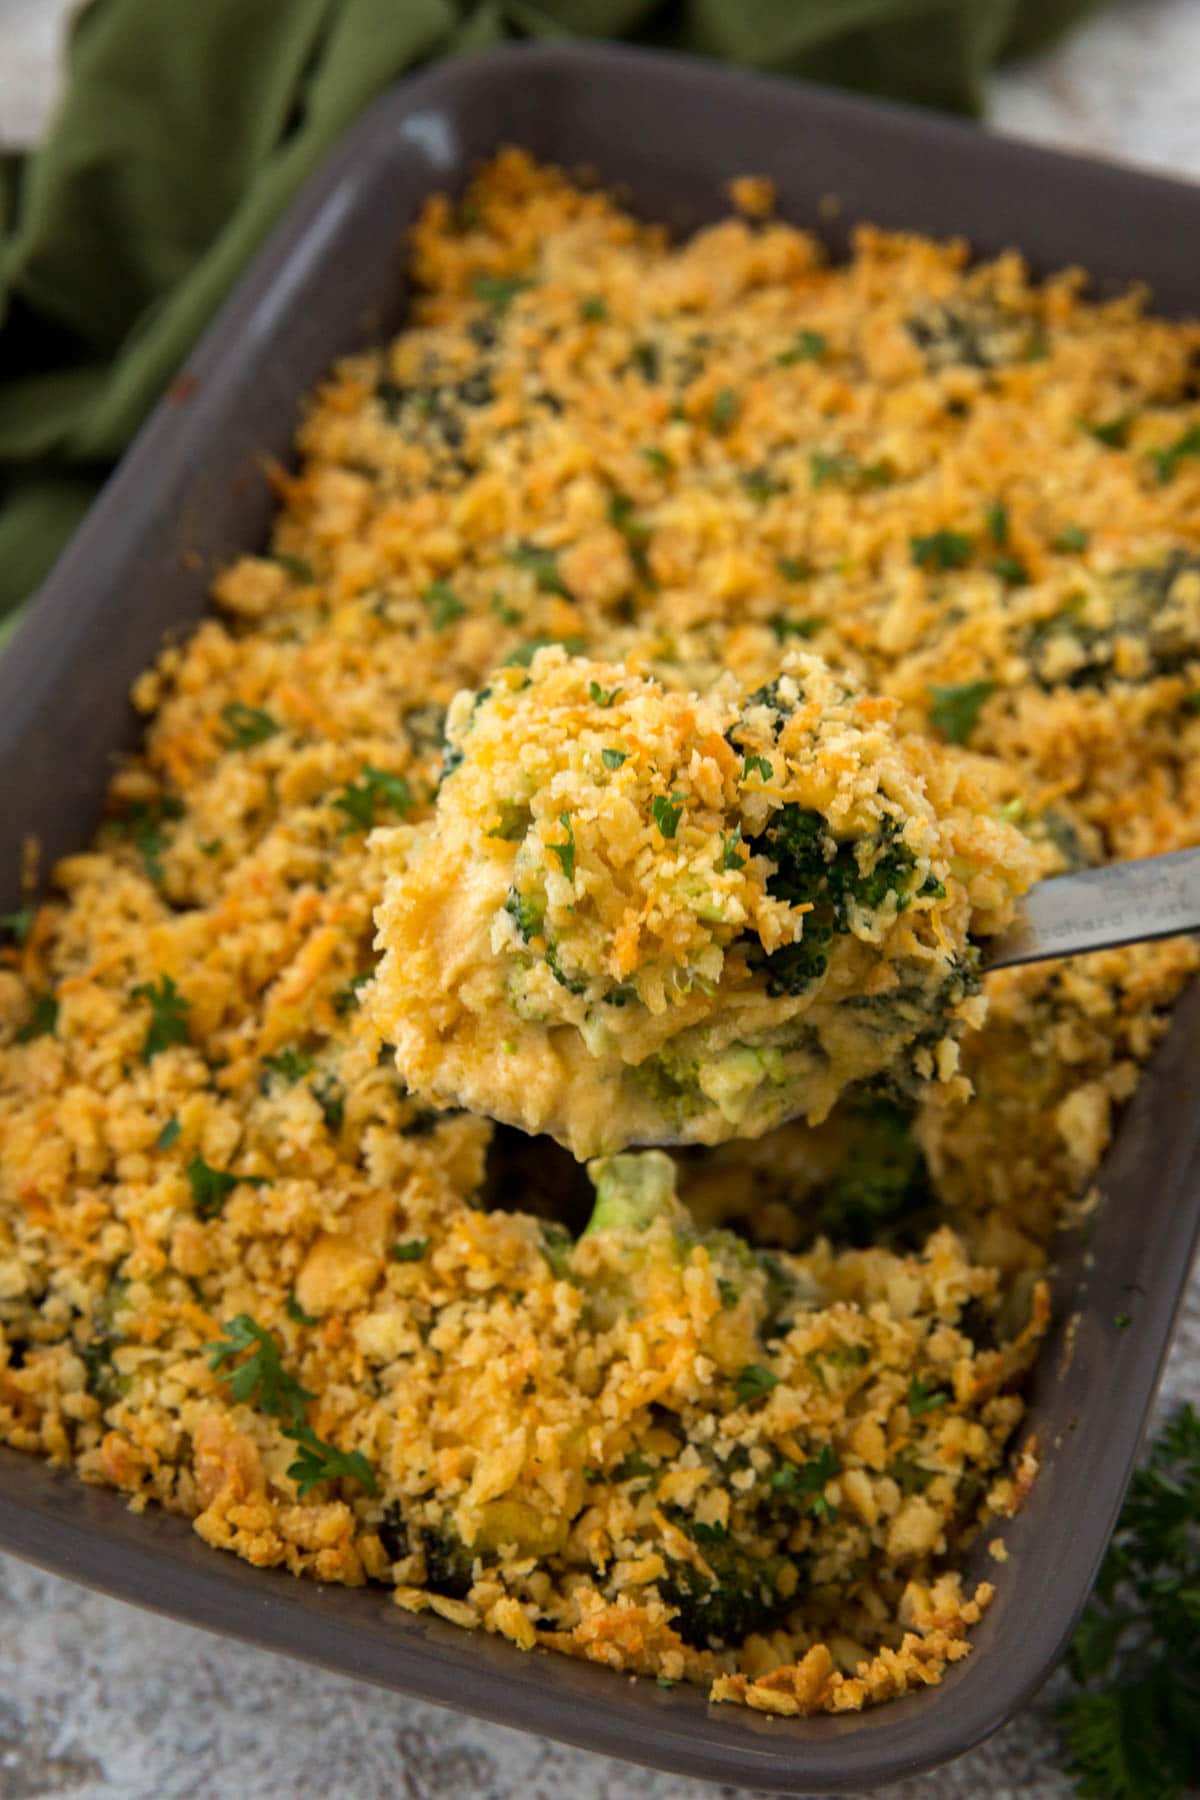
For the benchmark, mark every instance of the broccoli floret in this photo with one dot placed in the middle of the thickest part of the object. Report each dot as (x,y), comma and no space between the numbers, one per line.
(527,911)
(392,1531)
(812,867)
(883,1184)
(743,1597)
(632,1193)
(975,334)
(1151,606)
(794,968)
(449,1564)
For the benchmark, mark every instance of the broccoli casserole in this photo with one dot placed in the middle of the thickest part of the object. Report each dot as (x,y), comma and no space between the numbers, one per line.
(640,914)
(736,1414)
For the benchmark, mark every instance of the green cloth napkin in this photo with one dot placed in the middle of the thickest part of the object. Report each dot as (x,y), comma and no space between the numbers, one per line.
(185,128)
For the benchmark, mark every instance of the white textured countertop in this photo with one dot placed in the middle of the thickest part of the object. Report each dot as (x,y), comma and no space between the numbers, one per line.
(101,1702)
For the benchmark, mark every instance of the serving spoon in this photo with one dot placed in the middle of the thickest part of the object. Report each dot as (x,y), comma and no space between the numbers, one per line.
(1099,909)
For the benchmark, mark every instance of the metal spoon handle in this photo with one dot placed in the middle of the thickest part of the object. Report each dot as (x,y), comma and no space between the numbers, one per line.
(1097,909)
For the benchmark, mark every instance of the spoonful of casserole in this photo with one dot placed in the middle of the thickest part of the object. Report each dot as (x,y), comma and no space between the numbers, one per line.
(645,916)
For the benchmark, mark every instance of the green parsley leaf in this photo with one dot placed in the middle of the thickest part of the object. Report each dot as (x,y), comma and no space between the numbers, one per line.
(995,517)
(759,763)
(806,1482)
(753,1382)
(19,924)
(612,759)
(346,998)
(168,1135)
(1167,461)
(941,550)
(646,360)
(599,697)
(594,309)
(1011,570)
(542,564)
(784,625)
(374,790)
(667,812)
(444,605)
(923,1398)
(658,460)
(499,291)
(955,709)
(289,1064)
(144,825)
(261,1380)
(212,1187)
(317,1461)
(42,1021)
(168,1016)
(731,857)
(1113,433)
(1070,540)
(1122,1321)
(330,1096)
(246,726)
(412,1251)
(724,409)
(837,470)
(565,852)
(808,346)
(729,1291)
(297,1314)
(761,485)
(508,615)
(795,568)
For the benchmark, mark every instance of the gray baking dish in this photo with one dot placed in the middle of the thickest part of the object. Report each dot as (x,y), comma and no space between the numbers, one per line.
(191,494)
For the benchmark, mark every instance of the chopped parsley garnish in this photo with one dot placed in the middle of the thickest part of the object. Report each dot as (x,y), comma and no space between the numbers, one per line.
(646,360)
(19,924)
(753,1382)
(412,1251)
(1133,1725)
(724,409)
(168,1016)
(143,824)
(759,764)
(923,1397)
(290,1064)
(731,856)
(246,726)
(807,346)
(330,1096)
(941,550)
(375,790)
(954,710)
(317,1461)
(658,460)
(262,1381)
(508,615)
(1168,460)
(594,309)
(168,1135)
(612,759)
(795,568)
(297,1314)
(1011,570)
(761,485)
(728,1291)
(212,1187)
(499,291)
(806,1482)
(600,697)
(346,998)
(1113,433)
(42,1021)
(837,470)
(1071,539)
(666,811)
(784,625)
(995,517)
(444,605)
(1122,1321)
(542,564)
(565,852)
